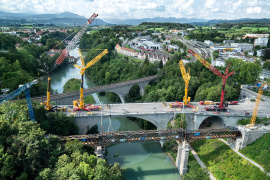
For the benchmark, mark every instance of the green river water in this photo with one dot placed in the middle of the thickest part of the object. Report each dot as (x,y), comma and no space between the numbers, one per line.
(141,161)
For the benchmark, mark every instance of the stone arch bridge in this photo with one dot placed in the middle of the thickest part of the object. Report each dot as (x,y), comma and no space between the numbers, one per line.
(121,89)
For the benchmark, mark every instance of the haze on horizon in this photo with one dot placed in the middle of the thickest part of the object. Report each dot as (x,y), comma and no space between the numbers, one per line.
(138,9)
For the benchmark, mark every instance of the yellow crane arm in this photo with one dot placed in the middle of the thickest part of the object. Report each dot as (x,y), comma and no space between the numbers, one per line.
(257,104)
(81,57)
(96,59)
(186,77)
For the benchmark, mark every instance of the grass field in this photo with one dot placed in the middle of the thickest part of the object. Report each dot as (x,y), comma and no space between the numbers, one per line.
(129,58)
(224,163)
(159,29)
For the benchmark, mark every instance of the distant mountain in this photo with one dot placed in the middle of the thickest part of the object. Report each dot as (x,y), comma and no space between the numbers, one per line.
(156,19)
(65,18)
(192,21)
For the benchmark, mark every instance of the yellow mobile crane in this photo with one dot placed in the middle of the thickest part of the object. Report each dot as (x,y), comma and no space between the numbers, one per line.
(186,77)
(79,104)
(257,104)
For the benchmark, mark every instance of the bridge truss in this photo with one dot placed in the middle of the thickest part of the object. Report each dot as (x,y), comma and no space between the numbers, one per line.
(106,138)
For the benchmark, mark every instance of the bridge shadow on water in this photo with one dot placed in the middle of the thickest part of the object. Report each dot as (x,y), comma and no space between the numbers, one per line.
(141,174)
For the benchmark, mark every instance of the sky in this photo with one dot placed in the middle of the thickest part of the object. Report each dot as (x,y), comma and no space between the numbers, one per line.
(138,9)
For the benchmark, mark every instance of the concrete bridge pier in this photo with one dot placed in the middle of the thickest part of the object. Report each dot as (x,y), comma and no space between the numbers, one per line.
(182,158)
(249,136)
(99,151)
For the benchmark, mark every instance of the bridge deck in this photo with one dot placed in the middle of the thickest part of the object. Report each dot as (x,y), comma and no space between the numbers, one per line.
(96,89)
(106,138)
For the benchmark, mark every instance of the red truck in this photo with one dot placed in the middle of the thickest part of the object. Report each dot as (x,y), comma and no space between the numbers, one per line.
(176,105)
(233,103)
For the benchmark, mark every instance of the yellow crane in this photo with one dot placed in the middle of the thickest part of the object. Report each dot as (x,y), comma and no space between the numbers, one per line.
(79,104)
(257,104)
(186,77)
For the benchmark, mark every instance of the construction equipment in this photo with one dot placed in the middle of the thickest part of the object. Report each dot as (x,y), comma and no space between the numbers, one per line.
(26,89)
(222,105)
(233,103)
(79,104)
(186,77)
(63,55)
(257,104)
(176,105)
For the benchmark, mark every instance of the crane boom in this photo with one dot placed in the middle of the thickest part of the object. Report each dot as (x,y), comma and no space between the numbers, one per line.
(257,104)
(79,103)
(63,56)
(26,89)
(186,77)
(218,73)
(73,42)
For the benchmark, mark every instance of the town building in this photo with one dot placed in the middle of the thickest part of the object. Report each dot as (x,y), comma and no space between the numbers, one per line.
(153,56)
(150,45)
(128,52)
(243,46)
(256,36)
(238,56)
(261,42)
(172,46)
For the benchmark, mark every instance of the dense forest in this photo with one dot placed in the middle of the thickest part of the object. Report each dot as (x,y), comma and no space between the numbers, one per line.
(28,151)
(29,62)
(167,25)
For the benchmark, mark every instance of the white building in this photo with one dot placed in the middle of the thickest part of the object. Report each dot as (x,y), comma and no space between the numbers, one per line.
(150,45)
(261,42)
(243,46)
(218,63)
(238,56)
(208,42)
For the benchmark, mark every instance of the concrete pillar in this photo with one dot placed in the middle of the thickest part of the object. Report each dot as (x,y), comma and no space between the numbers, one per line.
(182,158)
(99,152)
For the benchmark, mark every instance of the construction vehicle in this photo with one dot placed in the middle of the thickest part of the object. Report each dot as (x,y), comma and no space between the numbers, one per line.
(176,105)
(257,104)
(222,105)
(26,89)
(79,105)
(60,108)
(63,55)
(233,103)
(186,77)
(206,102)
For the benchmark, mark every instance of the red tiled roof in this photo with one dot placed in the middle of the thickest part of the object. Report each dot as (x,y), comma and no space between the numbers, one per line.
(117,46)
(127,49)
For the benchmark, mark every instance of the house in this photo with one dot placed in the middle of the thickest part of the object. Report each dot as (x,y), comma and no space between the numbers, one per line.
(71,59)
(117,48)
(128,52)
(153,56)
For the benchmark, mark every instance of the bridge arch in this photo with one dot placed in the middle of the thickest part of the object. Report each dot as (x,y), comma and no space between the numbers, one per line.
(212,122)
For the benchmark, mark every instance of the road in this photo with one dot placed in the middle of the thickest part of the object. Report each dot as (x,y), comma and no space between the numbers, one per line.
(159,107)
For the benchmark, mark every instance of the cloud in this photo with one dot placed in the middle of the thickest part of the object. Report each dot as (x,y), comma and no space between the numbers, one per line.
(254,10)
(124,9)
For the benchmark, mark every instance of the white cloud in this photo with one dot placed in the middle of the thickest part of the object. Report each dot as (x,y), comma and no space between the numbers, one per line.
(123,9)
(254,10)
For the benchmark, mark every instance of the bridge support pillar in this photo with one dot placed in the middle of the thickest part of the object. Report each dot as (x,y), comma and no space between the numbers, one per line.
(99,151)
(248,136)
(182,158)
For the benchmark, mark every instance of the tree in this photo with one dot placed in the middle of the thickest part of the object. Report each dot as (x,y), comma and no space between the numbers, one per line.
(246,53)
(266,54)
(266,65)
(255,53)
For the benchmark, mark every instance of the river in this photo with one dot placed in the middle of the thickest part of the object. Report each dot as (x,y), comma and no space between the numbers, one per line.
(141,161)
